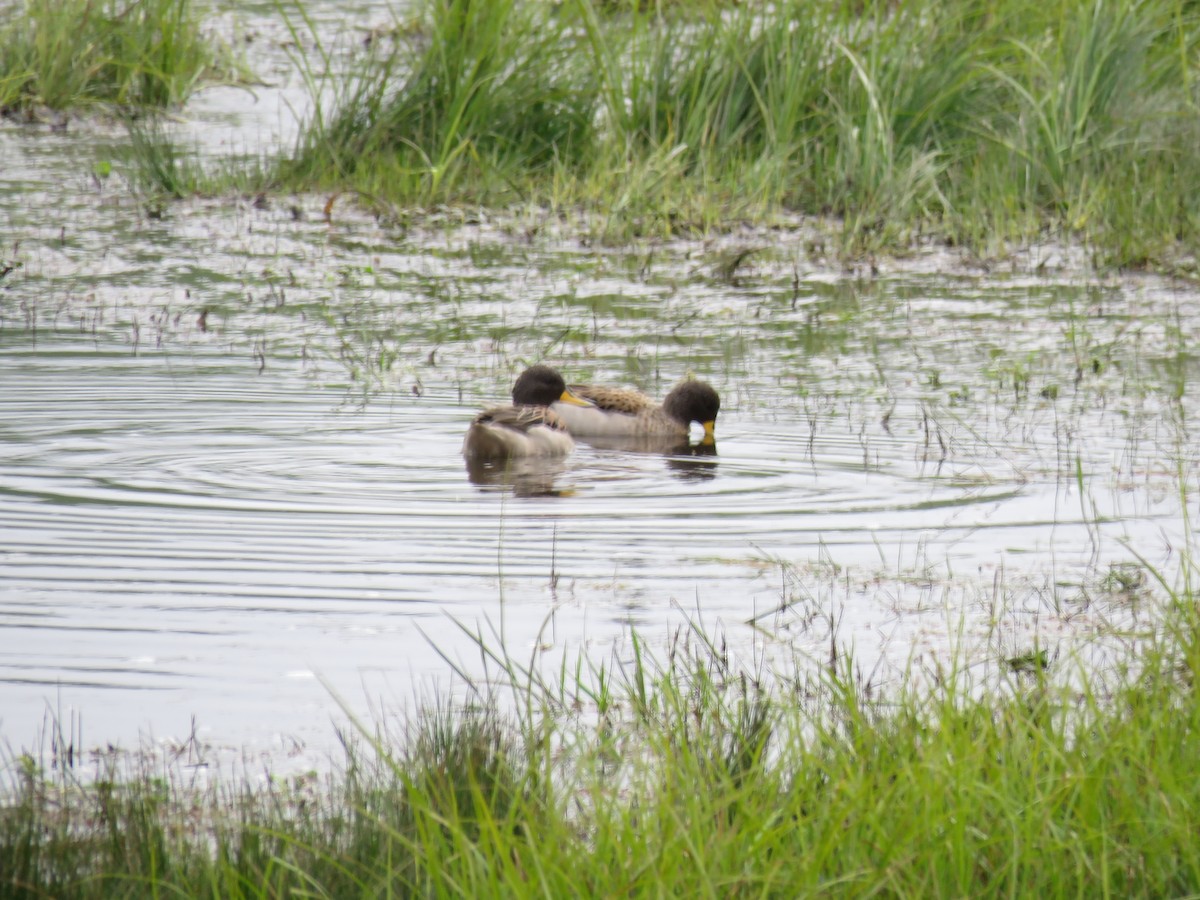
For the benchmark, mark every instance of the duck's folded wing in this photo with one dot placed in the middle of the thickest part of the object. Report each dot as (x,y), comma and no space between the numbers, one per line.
(614,399)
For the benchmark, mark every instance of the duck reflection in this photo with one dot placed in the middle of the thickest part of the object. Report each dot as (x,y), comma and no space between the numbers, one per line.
(687,460)
(694,462)
(525,477)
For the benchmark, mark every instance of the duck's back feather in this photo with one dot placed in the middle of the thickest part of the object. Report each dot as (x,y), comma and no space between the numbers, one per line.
(614,399)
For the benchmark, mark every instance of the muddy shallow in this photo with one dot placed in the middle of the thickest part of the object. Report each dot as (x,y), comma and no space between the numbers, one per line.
(230,482)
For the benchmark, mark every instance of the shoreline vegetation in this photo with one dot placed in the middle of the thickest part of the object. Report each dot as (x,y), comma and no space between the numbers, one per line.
(687,775)
(967,122)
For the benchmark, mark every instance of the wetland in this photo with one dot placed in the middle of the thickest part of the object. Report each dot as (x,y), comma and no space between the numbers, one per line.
(235,520)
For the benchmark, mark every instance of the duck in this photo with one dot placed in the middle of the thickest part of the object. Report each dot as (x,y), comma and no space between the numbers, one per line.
(617,412)
(527,428)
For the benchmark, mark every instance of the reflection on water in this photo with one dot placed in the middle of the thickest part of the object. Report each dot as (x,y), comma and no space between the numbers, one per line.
(686,459)
(532,477)
(542,476)
(694,462)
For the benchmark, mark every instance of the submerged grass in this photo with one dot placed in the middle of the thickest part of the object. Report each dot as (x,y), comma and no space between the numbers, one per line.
(681,776)
(975,121)
(64,54)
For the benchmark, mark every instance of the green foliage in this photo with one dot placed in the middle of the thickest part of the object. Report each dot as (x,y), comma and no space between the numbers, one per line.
(683,777)
(477,98)
(161,170)
(976,121)
(68,53)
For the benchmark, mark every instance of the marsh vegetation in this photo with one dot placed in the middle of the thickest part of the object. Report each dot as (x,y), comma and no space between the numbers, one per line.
(974,123)
(969,123)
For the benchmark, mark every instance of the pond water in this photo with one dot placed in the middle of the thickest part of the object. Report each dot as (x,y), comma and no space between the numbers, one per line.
(231,489)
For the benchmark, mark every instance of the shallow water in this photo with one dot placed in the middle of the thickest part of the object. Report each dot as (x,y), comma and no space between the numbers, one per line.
(231,488)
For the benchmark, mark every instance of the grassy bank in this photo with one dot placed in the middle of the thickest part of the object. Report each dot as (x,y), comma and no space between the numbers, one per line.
(679,777)
(976,122)
(65,54)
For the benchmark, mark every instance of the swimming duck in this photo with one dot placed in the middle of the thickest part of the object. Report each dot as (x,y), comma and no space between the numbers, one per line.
(622,411)
(528,427)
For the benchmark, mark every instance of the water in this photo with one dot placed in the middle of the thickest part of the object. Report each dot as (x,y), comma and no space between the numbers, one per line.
(231,490)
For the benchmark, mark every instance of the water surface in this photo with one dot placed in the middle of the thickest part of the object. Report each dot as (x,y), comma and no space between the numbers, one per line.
(231,488)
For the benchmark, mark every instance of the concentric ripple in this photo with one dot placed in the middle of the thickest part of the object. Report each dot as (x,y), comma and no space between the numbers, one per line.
(179,537)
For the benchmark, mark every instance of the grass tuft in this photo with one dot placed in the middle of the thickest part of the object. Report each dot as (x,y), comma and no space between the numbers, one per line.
(474,102)
(64,54)
(161,170)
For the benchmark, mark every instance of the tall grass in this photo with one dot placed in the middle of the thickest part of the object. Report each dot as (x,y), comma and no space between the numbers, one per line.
(975,121)
(685,775)
(485,106)
(70,53)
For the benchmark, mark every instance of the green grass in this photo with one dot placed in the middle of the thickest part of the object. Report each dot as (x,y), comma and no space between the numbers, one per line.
(488,102)
(682,776)
(66,54)
(973,122)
